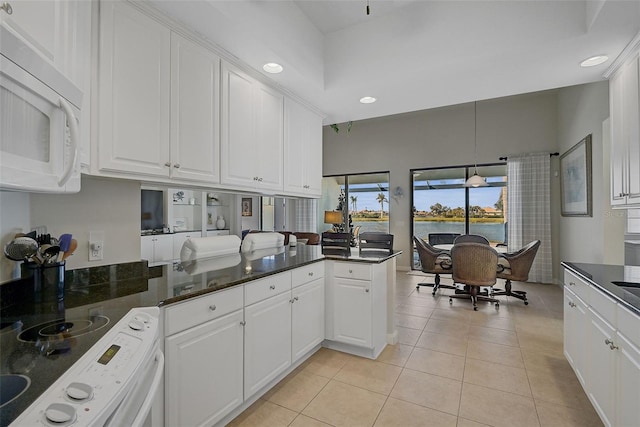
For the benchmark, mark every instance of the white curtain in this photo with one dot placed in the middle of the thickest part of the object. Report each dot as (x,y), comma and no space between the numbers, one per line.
(306,215)
(529,209)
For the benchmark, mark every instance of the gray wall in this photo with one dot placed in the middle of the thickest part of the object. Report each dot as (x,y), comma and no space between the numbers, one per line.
(445,137)
(597,239)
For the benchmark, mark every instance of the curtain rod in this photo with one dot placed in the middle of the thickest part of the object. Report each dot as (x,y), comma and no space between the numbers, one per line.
(550,155)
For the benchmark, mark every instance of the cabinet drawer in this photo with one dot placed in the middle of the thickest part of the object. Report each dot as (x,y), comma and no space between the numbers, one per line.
(264,288)
(604,305)
(577,286)
(628,324)
(306,274)
(351,270)
(193,312)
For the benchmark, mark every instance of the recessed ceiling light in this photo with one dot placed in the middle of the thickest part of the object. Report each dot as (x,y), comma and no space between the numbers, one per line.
(367,100)
(272,67)
(594,60)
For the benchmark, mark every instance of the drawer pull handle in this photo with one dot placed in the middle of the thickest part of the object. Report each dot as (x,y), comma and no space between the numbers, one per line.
(571,284)
(350,271)
(311,273)
(295,298)
(242,323)
(366,290)
(6,6)
(212,307)
(571,304)
(272,287)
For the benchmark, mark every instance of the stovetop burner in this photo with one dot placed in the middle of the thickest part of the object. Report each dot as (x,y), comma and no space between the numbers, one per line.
(67,328)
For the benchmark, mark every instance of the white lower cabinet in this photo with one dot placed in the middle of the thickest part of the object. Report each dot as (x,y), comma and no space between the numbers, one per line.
(267,350)
(224,348)
(602,344)
(157,248)
(352,311)
(357,311)
(204,366)
(575,333)
(602,364)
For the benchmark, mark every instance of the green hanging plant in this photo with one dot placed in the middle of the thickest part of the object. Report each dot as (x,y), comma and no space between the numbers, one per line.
(337,129)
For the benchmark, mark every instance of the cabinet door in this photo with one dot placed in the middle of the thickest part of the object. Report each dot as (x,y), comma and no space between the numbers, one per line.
(269,107)
(352,311)
(307,317)
(618,144)
(204,372)
(576,334)
(267,341)
(146,248)
(302,151)
(602,364)
(163,248)
(40,23)
(239,159)
(631,114)
(195,96)
(133,91)
(628,380)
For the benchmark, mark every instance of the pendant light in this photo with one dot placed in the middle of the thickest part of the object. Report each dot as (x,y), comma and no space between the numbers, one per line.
(475,180)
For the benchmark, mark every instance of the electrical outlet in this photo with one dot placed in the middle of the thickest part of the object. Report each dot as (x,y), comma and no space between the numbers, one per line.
(96,245)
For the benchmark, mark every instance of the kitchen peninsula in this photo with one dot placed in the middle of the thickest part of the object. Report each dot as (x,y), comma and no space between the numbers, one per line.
(236,325)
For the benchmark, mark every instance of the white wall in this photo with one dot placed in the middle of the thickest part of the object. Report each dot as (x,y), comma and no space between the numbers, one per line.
(440,137)
(597,239)
(111,206)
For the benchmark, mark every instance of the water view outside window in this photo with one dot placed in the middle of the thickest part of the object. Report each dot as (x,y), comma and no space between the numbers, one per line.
(364,198)
(441,203)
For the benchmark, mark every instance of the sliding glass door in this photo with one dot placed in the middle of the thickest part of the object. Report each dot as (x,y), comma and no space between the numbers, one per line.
(443,206)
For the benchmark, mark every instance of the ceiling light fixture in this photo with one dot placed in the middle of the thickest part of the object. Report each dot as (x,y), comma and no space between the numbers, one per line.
(594,60)
(367,100)
(272,68)
(475,180)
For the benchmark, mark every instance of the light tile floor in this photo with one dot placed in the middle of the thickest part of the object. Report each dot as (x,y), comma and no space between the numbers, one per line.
(452,367)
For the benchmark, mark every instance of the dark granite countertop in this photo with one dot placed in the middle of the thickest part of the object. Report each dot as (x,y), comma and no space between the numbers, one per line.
(611,280)
(186,278)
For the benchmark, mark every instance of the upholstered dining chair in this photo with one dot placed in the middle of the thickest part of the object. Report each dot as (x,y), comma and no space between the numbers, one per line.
(471,238)
(474,265)
(516,266)
(433,261)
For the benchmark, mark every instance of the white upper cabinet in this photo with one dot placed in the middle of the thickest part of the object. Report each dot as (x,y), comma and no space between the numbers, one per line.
(624,93)
(59,30)
(195,118)
(251,147)
(134,91)
(302,150)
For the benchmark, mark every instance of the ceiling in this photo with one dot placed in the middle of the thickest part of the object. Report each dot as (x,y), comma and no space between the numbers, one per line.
(414,54)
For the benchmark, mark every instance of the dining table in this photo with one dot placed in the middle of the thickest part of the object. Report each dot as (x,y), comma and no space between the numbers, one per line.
(448,246)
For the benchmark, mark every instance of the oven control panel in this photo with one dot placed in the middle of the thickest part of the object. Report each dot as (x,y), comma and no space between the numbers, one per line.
(91,390)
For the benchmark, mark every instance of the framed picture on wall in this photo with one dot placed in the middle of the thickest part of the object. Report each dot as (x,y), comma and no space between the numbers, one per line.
(247,206)
(575,180)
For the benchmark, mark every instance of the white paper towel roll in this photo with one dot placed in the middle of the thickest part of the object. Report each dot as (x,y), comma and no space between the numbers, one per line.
(256,241)
(207,247)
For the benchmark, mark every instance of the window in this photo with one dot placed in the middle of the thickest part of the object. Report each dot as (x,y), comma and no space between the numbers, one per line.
(442,204)
(365,200)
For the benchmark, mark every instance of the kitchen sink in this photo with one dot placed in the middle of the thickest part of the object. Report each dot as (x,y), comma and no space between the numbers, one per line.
(12,386)
(626,284)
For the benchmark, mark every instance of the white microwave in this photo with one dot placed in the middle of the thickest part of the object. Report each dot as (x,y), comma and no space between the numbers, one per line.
(39,130)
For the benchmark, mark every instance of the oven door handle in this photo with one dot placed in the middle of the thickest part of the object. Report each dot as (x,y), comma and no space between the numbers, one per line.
(153,390)
(75,134)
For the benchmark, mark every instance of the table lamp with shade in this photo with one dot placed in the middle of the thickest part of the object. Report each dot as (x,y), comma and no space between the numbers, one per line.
(334,218)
